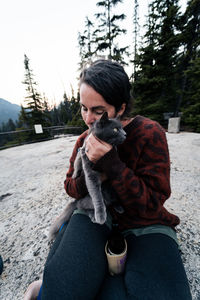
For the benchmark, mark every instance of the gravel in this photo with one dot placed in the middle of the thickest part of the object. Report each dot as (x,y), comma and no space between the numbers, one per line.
(32,195)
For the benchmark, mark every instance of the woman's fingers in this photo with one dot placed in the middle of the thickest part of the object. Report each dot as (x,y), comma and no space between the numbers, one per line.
(96,148)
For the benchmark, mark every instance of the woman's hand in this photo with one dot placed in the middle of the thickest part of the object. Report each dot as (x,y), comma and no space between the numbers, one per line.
(96,148)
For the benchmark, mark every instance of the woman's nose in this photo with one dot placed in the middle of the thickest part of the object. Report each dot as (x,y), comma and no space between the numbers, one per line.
(89,118)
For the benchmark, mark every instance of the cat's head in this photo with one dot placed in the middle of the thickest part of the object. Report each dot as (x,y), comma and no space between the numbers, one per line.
(109,130)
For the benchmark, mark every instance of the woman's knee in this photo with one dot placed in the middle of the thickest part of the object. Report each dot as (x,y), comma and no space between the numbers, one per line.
(154,268)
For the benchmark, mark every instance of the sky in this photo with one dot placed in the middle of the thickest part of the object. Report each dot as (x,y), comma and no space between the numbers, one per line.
(46,31)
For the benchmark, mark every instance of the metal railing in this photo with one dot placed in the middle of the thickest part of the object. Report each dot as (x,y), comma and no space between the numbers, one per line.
(26,136)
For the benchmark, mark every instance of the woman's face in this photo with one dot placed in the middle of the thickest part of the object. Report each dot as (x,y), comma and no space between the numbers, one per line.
(93,105)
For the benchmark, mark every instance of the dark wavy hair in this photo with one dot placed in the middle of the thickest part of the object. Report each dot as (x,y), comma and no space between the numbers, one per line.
(109,79)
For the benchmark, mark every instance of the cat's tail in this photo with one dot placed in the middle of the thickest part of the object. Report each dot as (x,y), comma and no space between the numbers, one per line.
(61,219)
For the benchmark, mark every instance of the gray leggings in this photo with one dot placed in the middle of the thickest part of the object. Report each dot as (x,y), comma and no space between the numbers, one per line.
(76,267)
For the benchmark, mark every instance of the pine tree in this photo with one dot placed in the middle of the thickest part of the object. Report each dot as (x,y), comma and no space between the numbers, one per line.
(64,110)
(190,41)
(8,126)
(191,109)
(11,125)
(67,105)
(75,106)
(108,31)
(85,42)
(136,33)
(55,118)
(155,85)
(189,100)
(23,120)
(33,113)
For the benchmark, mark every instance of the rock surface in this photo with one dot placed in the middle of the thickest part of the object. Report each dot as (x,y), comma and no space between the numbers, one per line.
(32,195)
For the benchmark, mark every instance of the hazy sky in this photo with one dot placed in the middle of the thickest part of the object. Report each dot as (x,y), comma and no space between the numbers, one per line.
(46,31)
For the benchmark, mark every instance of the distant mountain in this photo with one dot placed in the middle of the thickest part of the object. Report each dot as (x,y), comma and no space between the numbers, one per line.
(8,111)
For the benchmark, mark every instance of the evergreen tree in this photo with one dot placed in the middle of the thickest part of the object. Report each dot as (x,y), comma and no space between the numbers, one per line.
(136,33)
(23,120)
(191,109)
(67,106)
(64,110)
(10,125)
(85,42)
(108,32)
(75,107)
(33,113)
(55,118)
(68,110)
(155,84)
(46,112)
(190,41)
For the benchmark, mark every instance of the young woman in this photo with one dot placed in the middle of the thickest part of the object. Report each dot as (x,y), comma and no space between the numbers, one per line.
(139,172)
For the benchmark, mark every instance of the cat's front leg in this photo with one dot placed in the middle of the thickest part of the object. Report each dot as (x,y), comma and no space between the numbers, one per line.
(93,183)
(100,214)
(77,165)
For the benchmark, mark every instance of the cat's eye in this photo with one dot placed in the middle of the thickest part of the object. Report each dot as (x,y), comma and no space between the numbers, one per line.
(115,129)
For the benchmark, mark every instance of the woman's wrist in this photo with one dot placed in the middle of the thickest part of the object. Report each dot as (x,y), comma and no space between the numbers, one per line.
(110,164)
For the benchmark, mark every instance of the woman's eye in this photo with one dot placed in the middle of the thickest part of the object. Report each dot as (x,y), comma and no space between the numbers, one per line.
(115,129)
(99,112)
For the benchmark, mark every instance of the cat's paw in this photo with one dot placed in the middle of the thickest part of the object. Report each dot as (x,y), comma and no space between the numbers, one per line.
(100,218)
(92,218)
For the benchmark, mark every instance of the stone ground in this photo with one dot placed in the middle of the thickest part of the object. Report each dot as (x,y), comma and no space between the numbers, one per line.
(32,194)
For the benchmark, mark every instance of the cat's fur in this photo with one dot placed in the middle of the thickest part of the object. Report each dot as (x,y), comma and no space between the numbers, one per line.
(99,196)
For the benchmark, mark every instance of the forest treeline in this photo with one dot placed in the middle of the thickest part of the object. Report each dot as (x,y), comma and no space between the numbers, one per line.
(165,61)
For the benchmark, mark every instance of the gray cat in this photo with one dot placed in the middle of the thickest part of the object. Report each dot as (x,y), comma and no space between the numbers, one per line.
(99,195)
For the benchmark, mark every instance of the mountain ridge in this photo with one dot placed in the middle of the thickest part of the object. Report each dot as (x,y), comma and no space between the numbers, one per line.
(8,111)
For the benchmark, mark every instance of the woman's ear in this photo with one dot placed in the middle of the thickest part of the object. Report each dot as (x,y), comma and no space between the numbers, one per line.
(121,111)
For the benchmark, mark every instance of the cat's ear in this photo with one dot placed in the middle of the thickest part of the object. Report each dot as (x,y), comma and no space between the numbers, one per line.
(118,117)
(104,117)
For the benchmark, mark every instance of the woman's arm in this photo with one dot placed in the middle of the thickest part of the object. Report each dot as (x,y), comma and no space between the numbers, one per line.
(142,179)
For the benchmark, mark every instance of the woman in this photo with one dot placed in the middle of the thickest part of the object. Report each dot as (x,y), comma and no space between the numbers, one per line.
(139,172)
